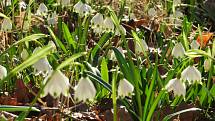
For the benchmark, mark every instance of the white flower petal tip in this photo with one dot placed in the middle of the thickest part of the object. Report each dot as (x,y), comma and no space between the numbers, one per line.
(52,19)
(22,5)
(24,54)
(207,65)
(57,84)
(3,72)
(194,45)
(125,88)
(82,9)
(178,51)
(192,75)
(177,86)
(42,10)
(140,47)
(6,25)
(97,23)
(85,90)
(108,24)
(118,31)
(42,66)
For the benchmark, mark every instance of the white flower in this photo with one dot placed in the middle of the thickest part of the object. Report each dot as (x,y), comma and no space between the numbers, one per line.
(176,2)
(108,24)
(191,74)
(112,56)
(82,9)
(122,29)
(97,23)
(152,12)
(8,2)
(176,19)
(24,54)
(41,66)
(125,88)
(194,45)
(42,10)
(52,19)
(139,47)
(177,86)
(64,2)
(207,65)
(22,5)
(3,72)
(57,83)
(6,25)
(84,90)
(178,50)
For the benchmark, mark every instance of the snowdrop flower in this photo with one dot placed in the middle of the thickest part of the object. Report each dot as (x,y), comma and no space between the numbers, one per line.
(176,2)
(63,2)
(194,45)
(108,24)
(6,25)
(57,83)
(125,88)
(207,65)
(123,31)
(138,47)
(3,72)
(97,23)
(42,10)
(175,19)
(178,50)
(82,9)
(191,74)
(8,2)
(24,54)
(177,86)
(22,5)
(84,90)
(52,19)
(42,65)
(152,12)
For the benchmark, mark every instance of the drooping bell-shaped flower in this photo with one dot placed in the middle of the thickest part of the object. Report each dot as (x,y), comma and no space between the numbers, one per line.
(125,88)
(152,12)
(176,18)
(64,2)
(207,65)
(97,23)
(139,47)
(52,19)
(85,90)
(42,10)
(122,29)
(82,9)
(191,74)
(195,45)
(6,25)
(178,50)
(24,54)
(108,24)
(177,86)
(42,66)
(6,2)
(3,72)
(57,83)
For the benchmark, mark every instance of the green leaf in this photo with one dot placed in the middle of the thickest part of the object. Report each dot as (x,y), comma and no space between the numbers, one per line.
(57,41)
(198,53)
(68,37)
(10,108)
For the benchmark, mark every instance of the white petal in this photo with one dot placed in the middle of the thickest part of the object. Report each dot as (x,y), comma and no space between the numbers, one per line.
(207,65)
(24,54)
(177,86)
(3,72)
(178,51)
(6,25)
(85,90)
(125,88)
(122,29)
(140,47)
(191,74)
(108,24)
(42,10)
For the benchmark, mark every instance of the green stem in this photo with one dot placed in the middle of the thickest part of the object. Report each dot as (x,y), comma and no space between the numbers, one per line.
(114,96)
